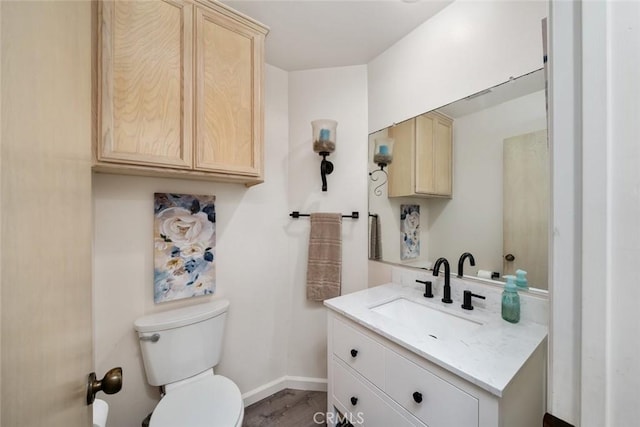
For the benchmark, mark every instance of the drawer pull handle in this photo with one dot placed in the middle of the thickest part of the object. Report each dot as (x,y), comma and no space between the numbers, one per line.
(354,400)
(354,352)
(417,397)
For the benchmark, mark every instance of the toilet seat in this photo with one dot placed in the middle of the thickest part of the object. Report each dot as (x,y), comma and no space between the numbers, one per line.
(214,401)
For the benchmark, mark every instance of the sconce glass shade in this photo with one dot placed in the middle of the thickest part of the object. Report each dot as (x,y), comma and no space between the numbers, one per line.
(324,135)
(383,151)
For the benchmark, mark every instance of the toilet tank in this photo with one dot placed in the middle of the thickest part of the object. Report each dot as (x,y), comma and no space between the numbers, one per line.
(188,341)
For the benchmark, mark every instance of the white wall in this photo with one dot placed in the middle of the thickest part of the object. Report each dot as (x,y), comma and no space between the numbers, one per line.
(252,268)
(595,342)
(339,94)
(475,211)
(467,47)
(566,220)
(624,276)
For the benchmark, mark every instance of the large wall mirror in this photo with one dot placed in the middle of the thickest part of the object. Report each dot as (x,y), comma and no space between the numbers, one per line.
(472,176)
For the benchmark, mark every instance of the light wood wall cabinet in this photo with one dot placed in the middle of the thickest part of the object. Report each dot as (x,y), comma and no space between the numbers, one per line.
(179,91)
(422,157)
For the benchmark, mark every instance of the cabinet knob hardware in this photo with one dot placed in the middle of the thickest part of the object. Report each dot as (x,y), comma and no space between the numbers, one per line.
(509,257)
(354,400)
(354,352)
(417,397)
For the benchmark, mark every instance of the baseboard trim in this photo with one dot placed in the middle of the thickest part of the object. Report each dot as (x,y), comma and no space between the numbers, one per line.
(296,383)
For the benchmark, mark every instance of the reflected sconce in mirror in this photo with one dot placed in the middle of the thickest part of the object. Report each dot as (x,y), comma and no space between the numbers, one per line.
(382,156)
(324,143)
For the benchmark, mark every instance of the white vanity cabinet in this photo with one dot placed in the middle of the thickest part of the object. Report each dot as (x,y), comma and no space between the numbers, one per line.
(376,382)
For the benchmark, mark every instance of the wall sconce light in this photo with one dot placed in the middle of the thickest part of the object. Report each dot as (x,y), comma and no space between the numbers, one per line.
(324,143)
(382,156)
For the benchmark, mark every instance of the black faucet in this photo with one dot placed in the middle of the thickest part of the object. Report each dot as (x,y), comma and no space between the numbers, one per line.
(447,273)
(465,255)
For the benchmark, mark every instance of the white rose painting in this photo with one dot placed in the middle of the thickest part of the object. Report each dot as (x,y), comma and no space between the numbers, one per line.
(409,231)
(185,241)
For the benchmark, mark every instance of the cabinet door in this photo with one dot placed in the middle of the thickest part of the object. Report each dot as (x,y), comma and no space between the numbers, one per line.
(145,83)
(425,143)
(229,57)
(442,157)
(433,155)
(401,171)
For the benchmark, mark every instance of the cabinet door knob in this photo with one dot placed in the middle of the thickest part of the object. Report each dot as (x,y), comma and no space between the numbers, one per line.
(509,257)
(354,400)
(354,352)
(417,397)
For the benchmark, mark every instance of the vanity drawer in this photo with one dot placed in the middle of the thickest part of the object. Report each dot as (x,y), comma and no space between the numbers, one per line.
(359,352)
(360,404)
(442,404)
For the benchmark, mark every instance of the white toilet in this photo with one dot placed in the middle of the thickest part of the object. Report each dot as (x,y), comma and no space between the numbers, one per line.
(180,348)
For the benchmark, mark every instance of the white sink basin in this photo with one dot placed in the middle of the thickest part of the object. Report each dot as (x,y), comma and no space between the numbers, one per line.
(430,321)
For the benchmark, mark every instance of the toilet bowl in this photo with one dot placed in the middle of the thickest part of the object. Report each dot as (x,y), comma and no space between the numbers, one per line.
(212,401)
(179,349)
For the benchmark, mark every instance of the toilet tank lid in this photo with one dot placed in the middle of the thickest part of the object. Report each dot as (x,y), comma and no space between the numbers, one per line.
(181,316)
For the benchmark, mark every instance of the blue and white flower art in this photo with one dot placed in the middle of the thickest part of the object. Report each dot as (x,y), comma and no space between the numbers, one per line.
(409,231)
(185,240)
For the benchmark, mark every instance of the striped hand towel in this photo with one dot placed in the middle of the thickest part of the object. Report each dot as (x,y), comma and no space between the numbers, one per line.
(324,269)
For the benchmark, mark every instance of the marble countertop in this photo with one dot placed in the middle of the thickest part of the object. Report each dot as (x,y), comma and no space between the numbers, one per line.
(490,357)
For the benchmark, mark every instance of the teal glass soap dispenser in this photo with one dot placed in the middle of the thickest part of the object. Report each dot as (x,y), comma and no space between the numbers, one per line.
(521,279)
(510,301)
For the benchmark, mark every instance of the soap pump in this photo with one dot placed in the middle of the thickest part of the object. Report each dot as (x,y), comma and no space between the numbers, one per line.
(510,301)
(521,279)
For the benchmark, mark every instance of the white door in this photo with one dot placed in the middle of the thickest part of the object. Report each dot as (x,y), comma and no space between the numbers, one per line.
(525,223)
(45,176)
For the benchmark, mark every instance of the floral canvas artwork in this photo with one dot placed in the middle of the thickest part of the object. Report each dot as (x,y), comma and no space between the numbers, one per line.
(409,231)
(185,240)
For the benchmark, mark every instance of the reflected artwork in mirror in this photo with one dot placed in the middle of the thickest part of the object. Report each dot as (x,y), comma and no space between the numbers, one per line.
(478,169)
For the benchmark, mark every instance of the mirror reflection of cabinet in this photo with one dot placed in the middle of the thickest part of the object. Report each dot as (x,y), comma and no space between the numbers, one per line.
(477,214)
(422,163)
